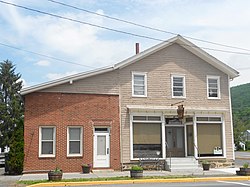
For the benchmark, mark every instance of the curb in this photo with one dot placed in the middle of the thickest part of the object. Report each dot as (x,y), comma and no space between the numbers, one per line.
(138,181)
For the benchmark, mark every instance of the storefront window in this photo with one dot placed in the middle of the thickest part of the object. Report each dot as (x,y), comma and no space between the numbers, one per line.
(209,137)
(147,138)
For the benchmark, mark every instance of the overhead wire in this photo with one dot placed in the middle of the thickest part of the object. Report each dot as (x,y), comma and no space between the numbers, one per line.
(145,26)
(43,55)
(94,25)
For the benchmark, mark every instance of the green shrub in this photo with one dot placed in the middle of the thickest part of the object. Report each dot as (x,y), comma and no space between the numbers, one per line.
(136,168)
(16,153)
(245,165)
(248,145)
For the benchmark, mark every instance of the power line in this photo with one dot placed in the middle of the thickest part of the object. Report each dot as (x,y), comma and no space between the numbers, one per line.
(74,63)
(115,30)
(144,26)
(43,55)
(81,22)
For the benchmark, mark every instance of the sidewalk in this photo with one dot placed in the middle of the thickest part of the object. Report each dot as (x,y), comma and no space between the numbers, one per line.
(105,174)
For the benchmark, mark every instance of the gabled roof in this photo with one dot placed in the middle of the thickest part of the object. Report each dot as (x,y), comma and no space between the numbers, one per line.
(178,40)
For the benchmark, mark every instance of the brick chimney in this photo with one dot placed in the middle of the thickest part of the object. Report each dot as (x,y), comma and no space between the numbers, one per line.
(137,48)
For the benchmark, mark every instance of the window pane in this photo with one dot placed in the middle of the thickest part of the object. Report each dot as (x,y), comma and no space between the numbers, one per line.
(74,133)
(47,147)
(212,81)
(213,93)
(178,94)
(213,87)
(139,88)
(140,118)
(178,86)
(202,118)
(139,77)
(179,140)
(176,89)
(147,140)
(178,79)
(214,118)
(101,145)
(154,118)
(47,133)
(209,138)
(74,147)
(139,85)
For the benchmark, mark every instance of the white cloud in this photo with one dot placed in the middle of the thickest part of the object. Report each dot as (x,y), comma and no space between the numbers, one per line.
(24,83)
(43,63)
(218,21)
(53,76)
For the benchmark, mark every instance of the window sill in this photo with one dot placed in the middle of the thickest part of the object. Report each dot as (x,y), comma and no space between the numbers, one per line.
(214,98)
(174,97)
(139,96)
(73,156)
(47,156)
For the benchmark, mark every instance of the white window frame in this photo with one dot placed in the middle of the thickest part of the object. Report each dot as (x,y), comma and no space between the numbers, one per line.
(184,85)
(81,137)
(162,121)
(224,155)
(218,85)
(40,142)
(145,83)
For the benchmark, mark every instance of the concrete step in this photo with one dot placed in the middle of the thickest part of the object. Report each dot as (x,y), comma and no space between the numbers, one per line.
(186,163)
(102,170)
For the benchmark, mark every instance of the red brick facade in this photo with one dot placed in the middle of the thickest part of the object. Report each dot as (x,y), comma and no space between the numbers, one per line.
(62,110)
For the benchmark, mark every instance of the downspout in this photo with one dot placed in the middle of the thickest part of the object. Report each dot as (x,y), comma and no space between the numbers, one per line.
(231,116)
(120,116)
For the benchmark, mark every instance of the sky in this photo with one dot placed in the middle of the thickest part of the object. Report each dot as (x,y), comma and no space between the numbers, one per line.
(44,47)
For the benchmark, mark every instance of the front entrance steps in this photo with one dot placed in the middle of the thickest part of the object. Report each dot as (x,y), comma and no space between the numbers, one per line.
(182,164)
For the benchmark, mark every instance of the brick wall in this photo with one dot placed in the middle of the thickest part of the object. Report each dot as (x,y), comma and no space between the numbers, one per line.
(62,110)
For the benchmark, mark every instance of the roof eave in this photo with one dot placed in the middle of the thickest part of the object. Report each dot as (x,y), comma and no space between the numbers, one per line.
(232,73)
(56,82)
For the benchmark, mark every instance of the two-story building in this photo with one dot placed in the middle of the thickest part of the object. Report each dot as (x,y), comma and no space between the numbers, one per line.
(114,116)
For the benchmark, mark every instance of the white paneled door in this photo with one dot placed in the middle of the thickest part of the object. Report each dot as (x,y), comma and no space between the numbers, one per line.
(101,148)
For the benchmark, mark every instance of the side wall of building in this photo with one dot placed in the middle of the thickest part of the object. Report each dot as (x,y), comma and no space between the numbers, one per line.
(62,110)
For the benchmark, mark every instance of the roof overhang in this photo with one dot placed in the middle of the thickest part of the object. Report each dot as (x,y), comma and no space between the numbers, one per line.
(68,79)
(178,39)
(172,110)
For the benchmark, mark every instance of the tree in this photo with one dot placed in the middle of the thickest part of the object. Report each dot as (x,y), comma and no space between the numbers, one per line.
(11,104)
(16,154)
(239,130)
(11,116)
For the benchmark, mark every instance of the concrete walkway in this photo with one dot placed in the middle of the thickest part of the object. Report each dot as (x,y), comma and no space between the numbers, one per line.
(106,174)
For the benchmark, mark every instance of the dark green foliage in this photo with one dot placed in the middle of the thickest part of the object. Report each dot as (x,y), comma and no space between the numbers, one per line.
(16,153)
(11,104)
(11,116)
(248,145)
(241,111)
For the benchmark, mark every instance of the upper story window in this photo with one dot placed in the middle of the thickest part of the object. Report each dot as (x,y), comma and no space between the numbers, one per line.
(139,84)
(74,142)
(178,86)
(47,138)
(213,87)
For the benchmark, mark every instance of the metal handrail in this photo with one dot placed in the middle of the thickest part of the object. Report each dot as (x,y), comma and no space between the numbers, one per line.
(196,147)
(166,143)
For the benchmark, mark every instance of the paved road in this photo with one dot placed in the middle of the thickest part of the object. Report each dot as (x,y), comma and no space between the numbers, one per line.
(241,158)
(195,184)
